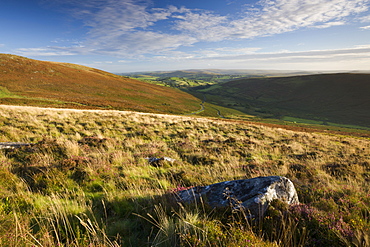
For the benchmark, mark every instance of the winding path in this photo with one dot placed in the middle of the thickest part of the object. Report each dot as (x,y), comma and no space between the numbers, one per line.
(202,108)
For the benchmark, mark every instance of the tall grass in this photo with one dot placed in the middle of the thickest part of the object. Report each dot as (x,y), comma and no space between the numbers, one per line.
(85,181)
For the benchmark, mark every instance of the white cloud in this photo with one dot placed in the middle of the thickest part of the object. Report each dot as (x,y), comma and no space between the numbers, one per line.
(330,24)
(202,26)
(365,28)
(141,42)
(354,52)
(225,51)
(52,51)
(365,18)
(356,58)
(130,28)
(120,17)
(281,16)
(129,24)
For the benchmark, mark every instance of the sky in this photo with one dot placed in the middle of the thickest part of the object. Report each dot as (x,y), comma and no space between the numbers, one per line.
(123,36)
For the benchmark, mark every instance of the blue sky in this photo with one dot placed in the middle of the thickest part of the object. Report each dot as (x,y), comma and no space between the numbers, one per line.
(147,35)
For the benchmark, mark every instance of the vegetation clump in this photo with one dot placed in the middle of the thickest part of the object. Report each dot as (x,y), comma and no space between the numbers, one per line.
(86,181)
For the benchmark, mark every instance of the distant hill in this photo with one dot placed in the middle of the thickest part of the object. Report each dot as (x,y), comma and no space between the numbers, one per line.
(195,79)
(26,81)
(177,78)
(201,77)
(339,98)
(219,72)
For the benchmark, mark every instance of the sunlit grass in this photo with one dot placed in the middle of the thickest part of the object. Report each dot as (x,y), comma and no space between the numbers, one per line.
(86,182)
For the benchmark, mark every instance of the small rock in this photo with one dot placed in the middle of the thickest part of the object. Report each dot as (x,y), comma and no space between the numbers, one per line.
(13,145)
(157,161)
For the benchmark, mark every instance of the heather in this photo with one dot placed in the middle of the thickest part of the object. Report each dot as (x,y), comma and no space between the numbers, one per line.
(86,181)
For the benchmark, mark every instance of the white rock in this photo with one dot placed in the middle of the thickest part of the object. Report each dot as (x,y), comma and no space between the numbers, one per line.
(253,195)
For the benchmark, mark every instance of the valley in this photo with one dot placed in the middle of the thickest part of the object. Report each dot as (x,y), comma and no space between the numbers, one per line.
(335,99)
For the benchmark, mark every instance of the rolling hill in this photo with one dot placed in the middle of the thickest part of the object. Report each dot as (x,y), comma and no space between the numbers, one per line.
(201,77)
(198,73)
(26,81)
(340,98)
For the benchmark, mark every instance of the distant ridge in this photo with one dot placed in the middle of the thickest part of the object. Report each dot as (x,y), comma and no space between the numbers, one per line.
(26,81)
(246,72)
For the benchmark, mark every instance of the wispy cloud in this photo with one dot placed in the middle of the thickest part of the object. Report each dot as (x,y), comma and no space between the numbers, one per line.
(280,16)
(202,26)
(365,18)
(128,28)
(356,58)
(48,51)
(331,24)
(354,52)
(125,26)
(223,52)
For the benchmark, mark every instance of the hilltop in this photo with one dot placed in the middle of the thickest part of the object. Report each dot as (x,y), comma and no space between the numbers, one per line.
(26,81)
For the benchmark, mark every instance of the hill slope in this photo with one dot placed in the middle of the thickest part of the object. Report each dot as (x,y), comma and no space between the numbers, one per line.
(32,82)
(341,98)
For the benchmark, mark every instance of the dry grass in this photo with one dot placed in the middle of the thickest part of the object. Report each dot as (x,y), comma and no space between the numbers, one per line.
(26,81)
(86,180)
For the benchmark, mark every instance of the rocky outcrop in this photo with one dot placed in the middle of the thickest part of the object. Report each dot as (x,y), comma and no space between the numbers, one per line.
(254,195)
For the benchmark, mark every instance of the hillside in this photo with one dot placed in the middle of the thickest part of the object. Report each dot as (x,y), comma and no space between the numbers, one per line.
(339,98)
(26,81)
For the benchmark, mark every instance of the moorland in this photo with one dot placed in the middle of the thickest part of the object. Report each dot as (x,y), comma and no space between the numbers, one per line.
(85,181)
(83,177)
(31,82)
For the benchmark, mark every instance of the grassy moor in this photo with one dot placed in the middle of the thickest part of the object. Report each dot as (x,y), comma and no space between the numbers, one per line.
(221,123)
(25,81)
(84,180)
(82,177)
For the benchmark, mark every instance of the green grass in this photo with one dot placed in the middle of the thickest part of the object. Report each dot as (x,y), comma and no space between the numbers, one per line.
(5,93)
(176,82)
(86,182)
(315,122)
(301,120)
(210,88)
